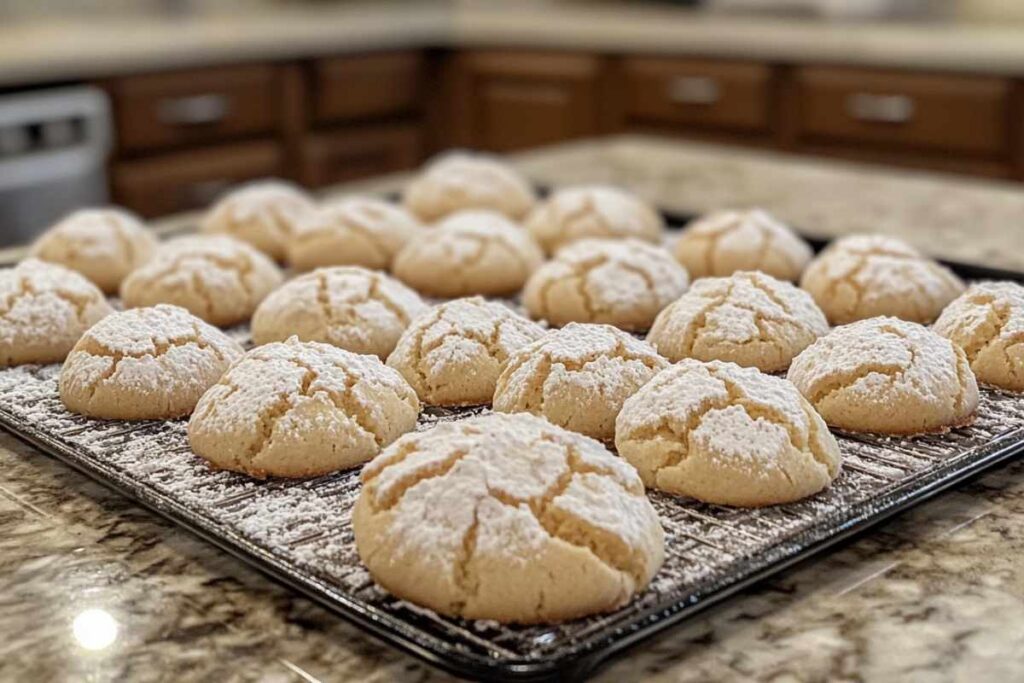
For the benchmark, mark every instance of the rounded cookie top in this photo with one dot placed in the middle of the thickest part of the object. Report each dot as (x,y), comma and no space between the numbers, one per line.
(727,435)
(506,517)
(864,276)
(887,375)
(301,409)
(356,309)
(145,364)
(748,318)
(460,181)
(577,377)
(104,245)
(624,283)
(356,231)
(452,355)
(573,213)
(724,242)
(470,252)
(216,277)
(44,309)
(987,322)
(265,214)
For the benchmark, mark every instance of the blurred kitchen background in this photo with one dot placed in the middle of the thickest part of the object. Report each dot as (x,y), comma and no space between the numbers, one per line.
(159,105)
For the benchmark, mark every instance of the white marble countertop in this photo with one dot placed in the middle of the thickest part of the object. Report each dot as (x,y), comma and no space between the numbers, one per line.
(78,48)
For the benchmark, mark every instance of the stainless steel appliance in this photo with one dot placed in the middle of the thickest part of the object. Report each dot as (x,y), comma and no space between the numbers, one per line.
(53,149)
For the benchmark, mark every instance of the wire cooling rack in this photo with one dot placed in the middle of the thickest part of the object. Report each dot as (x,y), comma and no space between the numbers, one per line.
(300,532)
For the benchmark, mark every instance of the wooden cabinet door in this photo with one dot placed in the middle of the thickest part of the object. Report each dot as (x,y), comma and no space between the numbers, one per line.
(362,86)
(182,181)
(508,100)
(966,115)
(202,106)
(359,152)
(698,93)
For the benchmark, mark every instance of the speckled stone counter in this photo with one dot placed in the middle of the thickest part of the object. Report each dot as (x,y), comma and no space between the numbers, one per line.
(936,594)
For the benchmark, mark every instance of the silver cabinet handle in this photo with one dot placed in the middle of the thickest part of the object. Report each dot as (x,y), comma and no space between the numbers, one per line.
(694,90)
(880,108)
(194,110)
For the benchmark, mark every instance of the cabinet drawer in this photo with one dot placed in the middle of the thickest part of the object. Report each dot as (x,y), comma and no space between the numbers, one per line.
(371,85)
(334,157)
(702,93)
(967,115)
(191,180)
(192,107)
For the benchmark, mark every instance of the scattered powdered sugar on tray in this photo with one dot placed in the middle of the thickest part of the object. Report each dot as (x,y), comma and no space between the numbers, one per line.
(302,528)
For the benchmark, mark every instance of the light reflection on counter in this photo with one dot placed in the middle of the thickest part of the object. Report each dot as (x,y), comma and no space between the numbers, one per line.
(94,629)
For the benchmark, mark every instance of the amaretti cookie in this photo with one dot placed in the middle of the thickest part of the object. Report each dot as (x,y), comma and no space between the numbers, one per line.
(462,180)
(471,252)
(359,310)
(356,231)
(104,245)
(452,355)
(573,213)
(577,377)
(44,309)
(506,517)
(265,214)
(748,318)
(889,376)
(624,283)
(987,322)
(301,409)
(218,278)
(145,364)
(863,276)
(724,242)
(727,435)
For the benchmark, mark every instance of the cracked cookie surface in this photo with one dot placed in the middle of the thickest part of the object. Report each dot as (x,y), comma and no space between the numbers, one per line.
(44,309)
(356,309)
(216,277)
(574,213)
(987,322)
(145,364)
(301,409)
(356,231)
(461,181)
(889,376)
(620,282)
(864,276)
(104,245)
(264,214)
(470,252)
(506,517)
(748,318)
(577,377)
(453,354)
(724,242)
(727,435)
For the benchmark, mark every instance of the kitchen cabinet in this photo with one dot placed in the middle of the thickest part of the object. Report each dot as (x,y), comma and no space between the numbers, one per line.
(704,95)
(194,107)
(506,100)
(192,179)
(360,152)
(360,87)
(957,117)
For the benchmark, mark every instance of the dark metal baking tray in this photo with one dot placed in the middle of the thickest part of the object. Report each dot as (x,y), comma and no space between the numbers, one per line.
(299,532)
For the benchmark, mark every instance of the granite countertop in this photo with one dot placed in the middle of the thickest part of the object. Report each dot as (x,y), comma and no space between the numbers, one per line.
(33,50)
(936,594)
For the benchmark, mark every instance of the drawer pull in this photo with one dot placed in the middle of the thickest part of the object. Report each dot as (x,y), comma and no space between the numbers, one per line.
(694,90)
(195,110)
(880,108)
